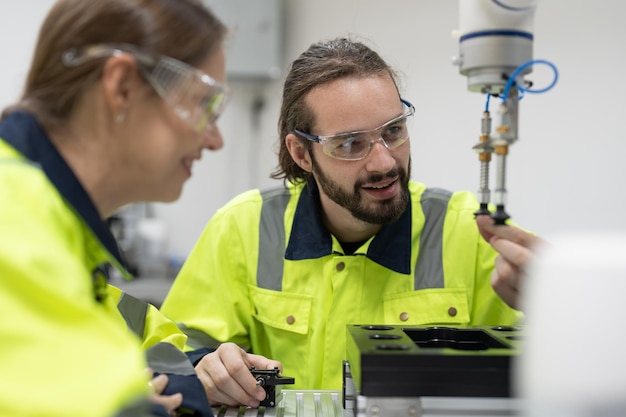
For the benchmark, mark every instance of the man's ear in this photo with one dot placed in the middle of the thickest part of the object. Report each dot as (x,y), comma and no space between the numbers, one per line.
(119,81)
(298,152)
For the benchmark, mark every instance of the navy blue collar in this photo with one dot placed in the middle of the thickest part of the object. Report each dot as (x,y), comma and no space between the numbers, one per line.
(23,132)
(310,239)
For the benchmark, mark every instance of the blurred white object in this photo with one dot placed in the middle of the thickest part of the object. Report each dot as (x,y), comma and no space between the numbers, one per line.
(573,363)
(152,251)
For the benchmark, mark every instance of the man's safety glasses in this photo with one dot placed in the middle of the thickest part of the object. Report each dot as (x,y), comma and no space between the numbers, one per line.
(353,146)
(194,96)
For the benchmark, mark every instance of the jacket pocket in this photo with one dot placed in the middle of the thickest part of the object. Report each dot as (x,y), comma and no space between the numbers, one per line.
(281,331)
(280,310)
(429,306)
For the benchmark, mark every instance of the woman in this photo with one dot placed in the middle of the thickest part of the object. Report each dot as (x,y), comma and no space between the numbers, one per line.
(121,98)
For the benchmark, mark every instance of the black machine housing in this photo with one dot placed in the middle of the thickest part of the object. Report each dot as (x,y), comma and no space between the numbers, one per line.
(420,361)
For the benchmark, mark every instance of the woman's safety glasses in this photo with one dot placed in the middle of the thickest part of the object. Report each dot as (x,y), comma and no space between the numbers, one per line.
(195,96)
(353,146)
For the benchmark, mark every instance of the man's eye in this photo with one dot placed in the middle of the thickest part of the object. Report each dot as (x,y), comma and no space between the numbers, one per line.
(351,143)
(396,130)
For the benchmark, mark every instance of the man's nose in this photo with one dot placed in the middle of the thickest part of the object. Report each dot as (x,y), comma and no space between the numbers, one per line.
(380,159)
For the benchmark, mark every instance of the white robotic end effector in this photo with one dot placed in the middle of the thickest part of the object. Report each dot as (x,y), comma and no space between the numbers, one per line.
(495,38)
(495,41)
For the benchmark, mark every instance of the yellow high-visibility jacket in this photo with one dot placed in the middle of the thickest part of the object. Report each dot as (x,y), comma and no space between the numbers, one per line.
(268,276)
(163,343)
(64,348)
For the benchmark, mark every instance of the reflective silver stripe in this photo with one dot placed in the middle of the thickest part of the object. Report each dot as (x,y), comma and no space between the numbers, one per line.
(166,358)
(428,267)
(162,357)
(429,264)
(269,273)
(134,312)
(197,339)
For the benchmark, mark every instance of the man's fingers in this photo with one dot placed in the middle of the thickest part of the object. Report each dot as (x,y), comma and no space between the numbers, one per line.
(225,397)
(488,230)
(505,280)
(236,362)
(261,362)
(517,255)
(514,234)
(504,289)
(220,381)
(227,377)
(484,223)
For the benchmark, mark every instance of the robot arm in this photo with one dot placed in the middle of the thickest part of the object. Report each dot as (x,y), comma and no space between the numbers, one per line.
(495,38)
(495,48)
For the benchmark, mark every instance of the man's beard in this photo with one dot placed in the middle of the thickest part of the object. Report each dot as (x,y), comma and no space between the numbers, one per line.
(380,212)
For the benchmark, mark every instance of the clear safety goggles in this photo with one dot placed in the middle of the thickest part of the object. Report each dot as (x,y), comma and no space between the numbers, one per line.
(353,146)
(194,96)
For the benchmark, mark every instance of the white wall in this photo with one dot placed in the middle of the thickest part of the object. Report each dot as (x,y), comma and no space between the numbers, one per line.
(562,174)
(18,34)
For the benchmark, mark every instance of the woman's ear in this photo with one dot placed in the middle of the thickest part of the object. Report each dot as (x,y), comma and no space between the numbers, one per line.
(119,80)
(299,152)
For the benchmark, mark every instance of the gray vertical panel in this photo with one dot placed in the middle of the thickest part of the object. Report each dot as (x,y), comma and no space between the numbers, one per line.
(429,265)
(254,49)
(272,239)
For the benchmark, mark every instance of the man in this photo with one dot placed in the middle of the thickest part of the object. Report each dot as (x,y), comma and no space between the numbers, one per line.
(349,239)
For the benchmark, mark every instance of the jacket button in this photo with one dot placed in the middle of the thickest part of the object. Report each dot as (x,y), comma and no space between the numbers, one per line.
(291,319)
(404,316)
(452,311)
(340,266)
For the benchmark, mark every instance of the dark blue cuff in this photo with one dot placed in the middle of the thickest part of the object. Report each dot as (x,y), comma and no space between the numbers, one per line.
(195,402)
(195,355)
